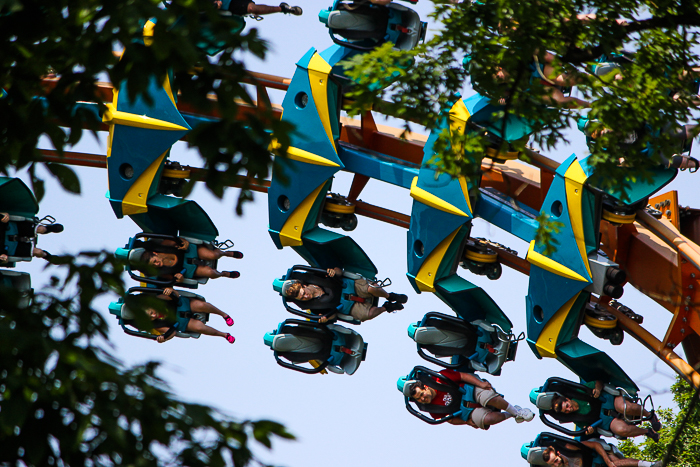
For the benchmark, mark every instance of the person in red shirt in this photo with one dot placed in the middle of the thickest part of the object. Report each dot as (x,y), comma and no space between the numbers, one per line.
(486,408)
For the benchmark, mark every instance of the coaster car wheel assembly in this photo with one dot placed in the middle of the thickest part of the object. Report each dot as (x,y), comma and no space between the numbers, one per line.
(603,324)
(480,259)
(339,212)
(173,179)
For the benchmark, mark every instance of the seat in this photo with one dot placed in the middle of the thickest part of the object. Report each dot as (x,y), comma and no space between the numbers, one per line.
(361,22)
(296,343)
(532,451)
(607,66)
(129,317)
(17,284)
(367,26)
(338,298)
(474,346)
(136,247)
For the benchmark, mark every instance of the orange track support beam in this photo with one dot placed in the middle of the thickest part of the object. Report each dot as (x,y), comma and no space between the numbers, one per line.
(666,354)
(648,244)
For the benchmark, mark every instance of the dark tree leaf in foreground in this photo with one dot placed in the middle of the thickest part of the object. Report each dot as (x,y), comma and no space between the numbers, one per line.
(64,400)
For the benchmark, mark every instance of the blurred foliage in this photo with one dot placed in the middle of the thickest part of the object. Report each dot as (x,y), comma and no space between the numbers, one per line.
(75,41)
(477,39)
(545,233)
(679,443)
(66,400)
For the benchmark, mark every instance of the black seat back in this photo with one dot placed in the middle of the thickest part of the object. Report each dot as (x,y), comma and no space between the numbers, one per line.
(332,288)
(444,385)
(468,331)
(307,332)
(377,16)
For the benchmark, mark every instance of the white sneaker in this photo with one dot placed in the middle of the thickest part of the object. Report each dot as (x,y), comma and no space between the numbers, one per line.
(524,415)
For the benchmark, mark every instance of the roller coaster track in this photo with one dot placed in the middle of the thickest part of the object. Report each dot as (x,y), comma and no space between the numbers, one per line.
(666,245)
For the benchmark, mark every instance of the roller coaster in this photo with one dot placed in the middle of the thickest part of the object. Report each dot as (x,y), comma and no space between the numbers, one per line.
(605,243)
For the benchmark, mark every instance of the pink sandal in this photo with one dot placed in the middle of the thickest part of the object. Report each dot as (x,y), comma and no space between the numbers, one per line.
(230,338)
(229,320)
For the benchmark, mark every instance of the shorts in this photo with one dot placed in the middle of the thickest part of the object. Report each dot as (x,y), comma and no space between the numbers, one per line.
(609,448)
(239,7)
(482,397)
(360,311)
(478,416)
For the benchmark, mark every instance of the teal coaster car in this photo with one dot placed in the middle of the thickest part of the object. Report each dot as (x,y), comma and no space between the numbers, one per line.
(455,343)
(18,236)
(128,317)
(136,247)
(17,239)
(339,294)
(366,26)
(532,451)
(607,66)
(330,347)
(602,410)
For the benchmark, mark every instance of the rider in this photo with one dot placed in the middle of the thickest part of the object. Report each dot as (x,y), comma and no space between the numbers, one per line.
(167,257)
(361,310)
(166,327)
(41,229)
(618,426)
(480,414)
(681,133)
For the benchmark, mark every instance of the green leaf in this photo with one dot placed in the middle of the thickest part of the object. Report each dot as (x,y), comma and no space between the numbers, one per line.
(66,177)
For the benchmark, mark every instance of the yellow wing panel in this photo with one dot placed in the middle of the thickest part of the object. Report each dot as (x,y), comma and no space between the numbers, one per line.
(300,155)
(318,79)
(290,235)
(429,199)
(425,279)
(550,265)
(459,116)
(116,117)
(547,341)
(134,201)
(574,180)
(465,190)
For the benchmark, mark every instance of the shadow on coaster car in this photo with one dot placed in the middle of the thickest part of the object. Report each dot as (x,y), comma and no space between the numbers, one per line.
(188,260)
(602,411)
(362,26)
(462,401)
(15,289)
(339,296)
(325,347)
(18,235)
(129,318)
(475,346)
